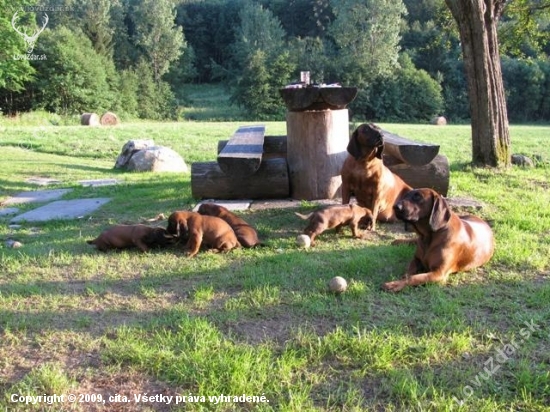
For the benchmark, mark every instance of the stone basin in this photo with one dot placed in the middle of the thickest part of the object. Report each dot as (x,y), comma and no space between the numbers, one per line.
(317,98)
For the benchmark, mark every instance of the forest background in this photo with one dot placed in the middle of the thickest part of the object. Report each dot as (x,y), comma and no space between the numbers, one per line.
(139,58)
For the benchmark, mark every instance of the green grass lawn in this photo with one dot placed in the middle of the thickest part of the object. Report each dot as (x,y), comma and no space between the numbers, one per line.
(260,322)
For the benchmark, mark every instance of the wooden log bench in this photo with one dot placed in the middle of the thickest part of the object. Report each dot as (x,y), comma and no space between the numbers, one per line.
(418,164)
(242,155)
(242,171)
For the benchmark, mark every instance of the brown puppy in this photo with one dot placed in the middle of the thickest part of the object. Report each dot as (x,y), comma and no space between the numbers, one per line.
(246,234)
(446,242)
(125,236)
(365,176)
(210,231)
(336,216)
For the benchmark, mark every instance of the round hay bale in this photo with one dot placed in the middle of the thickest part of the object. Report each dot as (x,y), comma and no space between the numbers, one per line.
(439,121)
(109,119)
(89,119)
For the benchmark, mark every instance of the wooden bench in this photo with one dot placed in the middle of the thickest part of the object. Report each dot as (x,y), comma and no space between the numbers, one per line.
(242,155)
(244,171)
(249,165)
(418,164)
(407,151)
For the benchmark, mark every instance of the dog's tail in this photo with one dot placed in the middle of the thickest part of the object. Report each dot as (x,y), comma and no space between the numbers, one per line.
(305,217)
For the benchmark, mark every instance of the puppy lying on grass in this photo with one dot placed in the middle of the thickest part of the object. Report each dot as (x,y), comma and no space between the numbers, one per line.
(209,231)
(246,234)
(336,216)
(125,236)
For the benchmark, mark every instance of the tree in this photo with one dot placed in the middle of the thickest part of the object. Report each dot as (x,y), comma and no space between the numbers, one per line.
(14,72)
(524,80)
(75,78)
(261,62)
(96,24)
(155,99)
(409,94)
(366,34)
(259,29)
(477,24)
(258,88)
(525,28)
(157,35)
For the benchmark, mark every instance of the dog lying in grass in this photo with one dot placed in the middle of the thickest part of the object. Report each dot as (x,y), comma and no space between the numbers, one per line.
(209,231)
(246,234)
(126,236)
(336,216)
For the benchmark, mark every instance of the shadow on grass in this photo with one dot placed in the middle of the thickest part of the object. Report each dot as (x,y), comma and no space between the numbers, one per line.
(407,349)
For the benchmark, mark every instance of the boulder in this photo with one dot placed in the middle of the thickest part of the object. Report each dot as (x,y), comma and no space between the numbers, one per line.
(522,160)
(157,159)
(128,150)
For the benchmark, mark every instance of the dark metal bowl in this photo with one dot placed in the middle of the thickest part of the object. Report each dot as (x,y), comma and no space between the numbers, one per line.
(318,98)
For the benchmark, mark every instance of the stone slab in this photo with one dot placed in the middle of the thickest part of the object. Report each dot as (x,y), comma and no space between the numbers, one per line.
(8,211)
(274,204)
(228,204)
(62,209)
(43,181)
(36,196)
(288,203)
(463,204)
(98,182)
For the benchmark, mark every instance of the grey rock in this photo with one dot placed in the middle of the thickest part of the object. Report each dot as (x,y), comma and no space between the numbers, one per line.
(157,159)
(128,150)
(14,244)
(522,160)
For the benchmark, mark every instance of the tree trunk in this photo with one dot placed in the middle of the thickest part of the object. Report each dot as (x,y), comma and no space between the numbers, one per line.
(316,142)
(477,23)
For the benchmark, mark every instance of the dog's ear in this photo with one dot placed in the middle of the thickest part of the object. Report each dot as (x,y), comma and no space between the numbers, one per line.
(379,151)
(441,214)
(375,134)
(353,145)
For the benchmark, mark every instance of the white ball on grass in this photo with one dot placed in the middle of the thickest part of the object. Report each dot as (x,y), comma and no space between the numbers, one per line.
(303,241)
(338,284)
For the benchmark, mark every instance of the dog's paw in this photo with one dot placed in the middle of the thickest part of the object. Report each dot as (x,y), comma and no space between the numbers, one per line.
(394,286)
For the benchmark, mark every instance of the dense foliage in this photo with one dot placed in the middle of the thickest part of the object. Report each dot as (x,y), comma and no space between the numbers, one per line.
(135,56)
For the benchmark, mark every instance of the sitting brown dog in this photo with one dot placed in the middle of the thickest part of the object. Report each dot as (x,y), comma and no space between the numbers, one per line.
(209,231)
(365,176)
(125,236)
(447,243)
(246,234)
(336,216)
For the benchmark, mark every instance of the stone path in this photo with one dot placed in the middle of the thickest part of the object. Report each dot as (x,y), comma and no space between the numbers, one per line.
(262,204)
(78,208)
(62,209)
(37,196)
(55,208)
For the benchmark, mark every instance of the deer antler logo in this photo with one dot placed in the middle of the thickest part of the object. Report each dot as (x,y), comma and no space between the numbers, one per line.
(30,40)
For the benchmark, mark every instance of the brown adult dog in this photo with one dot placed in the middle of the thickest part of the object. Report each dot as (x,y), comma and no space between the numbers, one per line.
(446,242)
(210,231)
(336,216)
(365,176)
(125,236)
(246,234)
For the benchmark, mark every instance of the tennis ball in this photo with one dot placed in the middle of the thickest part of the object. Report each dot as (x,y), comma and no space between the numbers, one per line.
(338,284)
(303,241)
